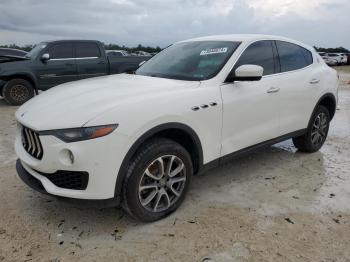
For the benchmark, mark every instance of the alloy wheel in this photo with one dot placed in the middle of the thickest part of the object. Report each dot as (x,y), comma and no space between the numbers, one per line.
(162,183)
(319,129)
(19,93)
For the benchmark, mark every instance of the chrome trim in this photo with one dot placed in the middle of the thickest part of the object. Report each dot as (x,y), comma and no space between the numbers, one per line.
(31,142)
(77,58)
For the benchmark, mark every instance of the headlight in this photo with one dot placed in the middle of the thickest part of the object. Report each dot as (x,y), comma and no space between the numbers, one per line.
(79,134)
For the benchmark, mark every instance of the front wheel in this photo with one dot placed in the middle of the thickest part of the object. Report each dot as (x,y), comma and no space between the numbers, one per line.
(18,91)
(316,133)
(157,180)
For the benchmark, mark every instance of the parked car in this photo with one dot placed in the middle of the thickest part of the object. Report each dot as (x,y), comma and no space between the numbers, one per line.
(142,53)
(53,63)
(11,52)
(344,59)
(117,53)
(336,57)
(328,60)
(138,139)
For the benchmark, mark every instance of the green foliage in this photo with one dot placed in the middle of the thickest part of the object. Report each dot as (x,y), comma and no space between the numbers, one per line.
(26,48)
(140,47)
(332,50)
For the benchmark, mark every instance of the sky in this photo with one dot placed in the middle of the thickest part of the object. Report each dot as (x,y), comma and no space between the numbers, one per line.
(162,22)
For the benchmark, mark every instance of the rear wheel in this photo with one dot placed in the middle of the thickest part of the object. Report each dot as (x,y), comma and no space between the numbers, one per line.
(157,180)
(316,133)
(18,91)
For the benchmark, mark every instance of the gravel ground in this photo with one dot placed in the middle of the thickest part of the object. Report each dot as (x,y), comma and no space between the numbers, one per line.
(273,205)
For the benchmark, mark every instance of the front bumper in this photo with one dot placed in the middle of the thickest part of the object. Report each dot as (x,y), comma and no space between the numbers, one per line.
(100,158)
(35,184)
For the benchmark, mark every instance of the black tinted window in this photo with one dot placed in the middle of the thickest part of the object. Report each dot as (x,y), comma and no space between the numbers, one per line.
(87,50)
(60,51)
(293,57)
(259,53)
(307,55)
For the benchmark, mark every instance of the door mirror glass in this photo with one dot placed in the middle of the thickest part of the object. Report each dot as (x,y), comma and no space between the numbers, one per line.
(45,57)
(247,73)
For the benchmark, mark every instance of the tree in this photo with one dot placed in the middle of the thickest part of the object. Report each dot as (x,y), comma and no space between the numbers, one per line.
(332,50)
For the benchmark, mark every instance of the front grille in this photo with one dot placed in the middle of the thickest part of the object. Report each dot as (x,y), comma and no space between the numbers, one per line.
(31,143)
(68,179)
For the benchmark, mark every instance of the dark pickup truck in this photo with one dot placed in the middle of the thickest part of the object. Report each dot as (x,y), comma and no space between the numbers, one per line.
(52,63)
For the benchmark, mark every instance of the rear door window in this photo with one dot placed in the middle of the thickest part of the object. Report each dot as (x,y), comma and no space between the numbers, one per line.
(85,50)
(293,57)
(61,51)
(259,53)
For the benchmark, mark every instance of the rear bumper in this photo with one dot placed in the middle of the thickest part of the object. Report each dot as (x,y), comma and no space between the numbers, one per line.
(36,184)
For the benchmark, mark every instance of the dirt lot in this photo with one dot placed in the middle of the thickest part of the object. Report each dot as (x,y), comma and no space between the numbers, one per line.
(274,205)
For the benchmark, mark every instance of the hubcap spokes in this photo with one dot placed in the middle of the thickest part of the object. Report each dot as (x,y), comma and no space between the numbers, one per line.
(19,92)
(162,183)
(319,129)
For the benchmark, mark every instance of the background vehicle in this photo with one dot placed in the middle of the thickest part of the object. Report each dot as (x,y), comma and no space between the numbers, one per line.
(142,53)
(336,57)
(117,53)
(195,105)
(53,63)
(344,58)
(328,60)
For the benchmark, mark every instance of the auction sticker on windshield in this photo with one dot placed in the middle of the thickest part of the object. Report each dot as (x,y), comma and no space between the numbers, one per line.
(214,51)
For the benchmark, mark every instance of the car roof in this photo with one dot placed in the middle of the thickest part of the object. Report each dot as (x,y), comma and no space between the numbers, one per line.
(245,38)
(71,40)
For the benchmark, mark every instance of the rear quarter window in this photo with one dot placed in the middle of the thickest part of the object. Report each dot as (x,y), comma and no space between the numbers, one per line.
(87,50)
(293,57)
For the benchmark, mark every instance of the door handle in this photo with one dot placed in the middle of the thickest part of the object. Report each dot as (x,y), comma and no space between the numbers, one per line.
(273,90)
(314,81)
(68,64)
(101,63)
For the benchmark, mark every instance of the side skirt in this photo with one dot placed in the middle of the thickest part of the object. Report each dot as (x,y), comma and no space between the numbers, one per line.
(245,151)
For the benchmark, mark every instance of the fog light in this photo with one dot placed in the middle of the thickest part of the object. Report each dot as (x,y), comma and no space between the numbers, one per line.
(66,157)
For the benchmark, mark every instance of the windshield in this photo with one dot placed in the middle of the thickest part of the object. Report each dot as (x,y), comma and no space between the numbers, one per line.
(36,50)
(192,61)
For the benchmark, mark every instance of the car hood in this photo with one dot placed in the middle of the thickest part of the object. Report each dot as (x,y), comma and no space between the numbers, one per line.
(12,58)
(74,104)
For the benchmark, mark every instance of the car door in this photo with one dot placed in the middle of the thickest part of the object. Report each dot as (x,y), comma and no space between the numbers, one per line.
(299,80)
(250,115)
(90,61)
(59,68)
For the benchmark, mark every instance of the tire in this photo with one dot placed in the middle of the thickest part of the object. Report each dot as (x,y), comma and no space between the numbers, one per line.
(316,133)
(18,91)
(144,170)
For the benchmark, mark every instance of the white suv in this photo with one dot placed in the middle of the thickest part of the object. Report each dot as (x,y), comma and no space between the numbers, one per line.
(136,140)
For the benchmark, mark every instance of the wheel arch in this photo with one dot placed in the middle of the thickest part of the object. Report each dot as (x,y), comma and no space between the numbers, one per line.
(24,76)
(178,132)
(329,101)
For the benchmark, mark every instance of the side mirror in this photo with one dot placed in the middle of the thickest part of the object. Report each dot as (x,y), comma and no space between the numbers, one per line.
(246,73)
(140,64)
(45,57)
